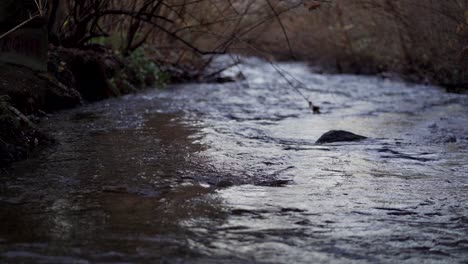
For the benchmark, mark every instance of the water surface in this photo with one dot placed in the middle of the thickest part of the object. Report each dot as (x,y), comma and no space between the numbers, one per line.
(230,173)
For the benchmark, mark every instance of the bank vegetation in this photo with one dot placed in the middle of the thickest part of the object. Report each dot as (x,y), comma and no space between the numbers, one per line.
(104,48)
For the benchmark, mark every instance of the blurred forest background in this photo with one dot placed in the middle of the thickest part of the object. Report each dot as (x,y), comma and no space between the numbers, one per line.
(426,40)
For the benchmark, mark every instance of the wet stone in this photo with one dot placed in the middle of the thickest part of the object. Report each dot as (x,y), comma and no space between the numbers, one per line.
(224,184)
(294,210)
(275,183)
(339,136)
(305,222)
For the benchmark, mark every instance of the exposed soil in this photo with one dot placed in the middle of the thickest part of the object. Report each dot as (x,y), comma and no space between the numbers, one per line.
(73,76)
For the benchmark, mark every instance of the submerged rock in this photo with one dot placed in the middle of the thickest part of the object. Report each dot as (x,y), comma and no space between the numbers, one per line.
(339,136)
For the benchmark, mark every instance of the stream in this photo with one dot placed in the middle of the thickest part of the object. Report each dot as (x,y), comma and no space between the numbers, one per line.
(230,173)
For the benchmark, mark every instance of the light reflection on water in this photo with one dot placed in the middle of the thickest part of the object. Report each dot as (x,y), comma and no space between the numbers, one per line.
(187,174)
(400,195)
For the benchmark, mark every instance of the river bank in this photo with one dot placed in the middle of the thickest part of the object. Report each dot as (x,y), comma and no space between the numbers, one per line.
(188,173)
(78,76)
(74,77)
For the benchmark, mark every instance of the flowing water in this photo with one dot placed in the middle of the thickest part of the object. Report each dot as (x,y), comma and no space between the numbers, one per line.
(229,173)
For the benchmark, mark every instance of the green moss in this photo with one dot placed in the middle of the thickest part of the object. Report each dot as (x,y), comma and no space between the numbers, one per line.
(144,70)
(138,73)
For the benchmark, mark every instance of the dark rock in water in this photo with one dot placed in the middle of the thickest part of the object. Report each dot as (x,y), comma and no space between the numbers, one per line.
(224,184)
(339,136)
(275,183)
(449,139)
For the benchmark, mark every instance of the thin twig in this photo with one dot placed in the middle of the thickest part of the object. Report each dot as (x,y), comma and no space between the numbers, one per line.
(290,83)
(283,28)
(283,73)
(20,25)
(219,71)
(41,10)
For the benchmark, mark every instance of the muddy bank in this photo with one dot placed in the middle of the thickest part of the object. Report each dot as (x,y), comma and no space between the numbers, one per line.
(73,78)
(25,96)
(415,73)
(18,135)
(358,64)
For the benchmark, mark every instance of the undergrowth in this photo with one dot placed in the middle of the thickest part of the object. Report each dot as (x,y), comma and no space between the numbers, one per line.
(138,73)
